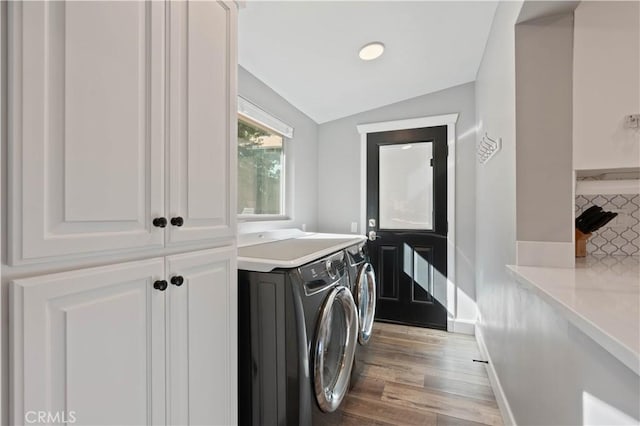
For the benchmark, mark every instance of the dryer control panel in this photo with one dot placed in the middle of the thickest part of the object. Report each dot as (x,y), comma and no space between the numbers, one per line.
(358,254)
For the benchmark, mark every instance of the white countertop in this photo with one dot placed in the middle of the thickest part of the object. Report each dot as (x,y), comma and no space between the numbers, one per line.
(600,296)
(290,250)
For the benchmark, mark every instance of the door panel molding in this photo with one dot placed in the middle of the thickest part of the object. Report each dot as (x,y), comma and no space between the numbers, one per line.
(390,251)
(73,330)
(201,338)
(417,285)
(201,170)
(450,121)
(66,159)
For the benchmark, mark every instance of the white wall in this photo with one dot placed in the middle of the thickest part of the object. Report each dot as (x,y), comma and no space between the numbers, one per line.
(339,174)
(495,180)
(301,162)
(495,186)
(606,84)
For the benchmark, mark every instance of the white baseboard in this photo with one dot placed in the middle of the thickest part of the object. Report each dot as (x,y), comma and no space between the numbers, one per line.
(501,398)
(461,326)
(544,253)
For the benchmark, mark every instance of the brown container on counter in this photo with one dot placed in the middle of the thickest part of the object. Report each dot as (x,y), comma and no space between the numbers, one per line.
(581,243)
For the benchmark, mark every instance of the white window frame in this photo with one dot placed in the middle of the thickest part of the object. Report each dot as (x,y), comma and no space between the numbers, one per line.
(256,114)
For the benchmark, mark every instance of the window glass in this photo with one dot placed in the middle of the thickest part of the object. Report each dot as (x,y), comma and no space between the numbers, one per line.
(406,186)
(260,169)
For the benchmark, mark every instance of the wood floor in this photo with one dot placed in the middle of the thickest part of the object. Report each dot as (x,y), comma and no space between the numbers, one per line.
(416,376)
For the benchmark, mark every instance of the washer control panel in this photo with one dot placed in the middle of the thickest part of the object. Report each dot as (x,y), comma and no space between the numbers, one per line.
(323,273)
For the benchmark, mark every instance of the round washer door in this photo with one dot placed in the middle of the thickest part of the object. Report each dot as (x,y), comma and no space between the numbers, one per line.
(334,348)
(365,292)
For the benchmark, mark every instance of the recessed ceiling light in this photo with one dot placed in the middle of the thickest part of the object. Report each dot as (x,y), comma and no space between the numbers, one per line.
(371,51)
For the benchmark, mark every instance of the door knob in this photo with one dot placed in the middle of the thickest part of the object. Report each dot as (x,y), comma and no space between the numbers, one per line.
(373,236)
(159,222)
(177,221)
(177,280)
(160,285)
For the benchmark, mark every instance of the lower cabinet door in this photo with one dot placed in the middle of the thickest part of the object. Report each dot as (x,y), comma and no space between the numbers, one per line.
(202,338)
(87,347)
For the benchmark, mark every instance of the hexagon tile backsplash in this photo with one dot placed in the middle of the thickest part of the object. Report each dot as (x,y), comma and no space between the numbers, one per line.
(621,236)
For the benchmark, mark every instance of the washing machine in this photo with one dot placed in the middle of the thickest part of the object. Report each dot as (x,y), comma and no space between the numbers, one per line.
(297,331)
(362,282)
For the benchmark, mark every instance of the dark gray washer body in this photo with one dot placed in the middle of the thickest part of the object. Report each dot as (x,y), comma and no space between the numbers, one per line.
(277,321)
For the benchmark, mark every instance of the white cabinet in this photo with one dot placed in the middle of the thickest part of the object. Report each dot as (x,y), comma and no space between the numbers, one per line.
(606,86)
(202,119)
(122,120)
(92,343)
(120,113)
(86,127)
(122,116)
(201,340)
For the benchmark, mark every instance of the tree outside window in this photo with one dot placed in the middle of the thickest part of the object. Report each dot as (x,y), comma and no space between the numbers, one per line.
(260,169)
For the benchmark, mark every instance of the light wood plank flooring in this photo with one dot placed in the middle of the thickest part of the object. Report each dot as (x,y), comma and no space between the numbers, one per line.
(416,376)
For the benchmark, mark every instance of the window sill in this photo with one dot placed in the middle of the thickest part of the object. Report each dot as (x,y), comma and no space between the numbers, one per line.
(261,217)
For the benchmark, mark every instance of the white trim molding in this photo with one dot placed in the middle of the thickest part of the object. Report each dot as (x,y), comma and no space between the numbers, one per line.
(410,123)
(461,326)
(498,391)
(259,115)
(448,120)
(600,187)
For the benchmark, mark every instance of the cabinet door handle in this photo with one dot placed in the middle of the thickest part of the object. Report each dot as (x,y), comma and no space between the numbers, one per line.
(160,222)
(177,280)
(160,285)
(177,221)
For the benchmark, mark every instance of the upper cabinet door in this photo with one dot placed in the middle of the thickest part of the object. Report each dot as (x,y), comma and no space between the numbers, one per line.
(202,120)
(86,127)
(89,346)
(202,338)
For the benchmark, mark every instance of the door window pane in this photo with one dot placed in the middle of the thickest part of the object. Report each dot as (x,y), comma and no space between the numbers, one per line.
(406,186)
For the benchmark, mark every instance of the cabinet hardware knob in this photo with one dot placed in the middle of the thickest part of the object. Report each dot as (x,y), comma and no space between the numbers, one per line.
(160,222)
(160,285)
(177,221)
(177,280)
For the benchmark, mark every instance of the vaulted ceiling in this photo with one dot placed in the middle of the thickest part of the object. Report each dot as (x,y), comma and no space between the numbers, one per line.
(307,51)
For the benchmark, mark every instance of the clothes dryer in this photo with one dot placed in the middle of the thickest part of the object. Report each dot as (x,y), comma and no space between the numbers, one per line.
(363,288)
